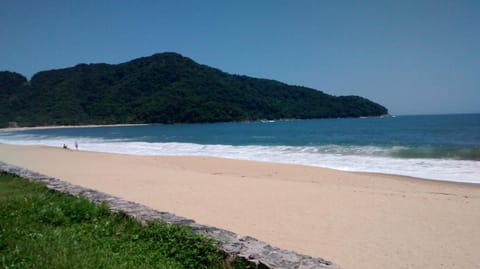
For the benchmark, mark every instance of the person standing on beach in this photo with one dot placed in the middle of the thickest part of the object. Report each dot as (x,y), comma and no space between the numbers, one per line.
(76,145)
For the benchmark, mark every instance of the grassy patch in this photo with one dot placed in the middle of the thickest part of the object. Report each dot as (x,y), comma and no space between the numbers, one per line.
(46,229)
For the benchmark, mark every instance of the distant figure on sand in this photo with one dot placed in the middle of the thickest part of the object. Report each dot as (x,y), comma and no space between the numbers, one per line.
(76,145)
(65,146)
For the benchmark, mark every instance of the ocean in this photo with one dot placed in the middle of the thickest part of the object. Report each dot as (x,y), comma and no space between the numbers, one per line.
(438,147)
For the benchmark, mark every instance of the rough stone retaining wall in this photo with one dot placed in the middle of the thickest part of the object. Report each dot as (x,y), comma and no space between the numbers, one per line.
(256,252)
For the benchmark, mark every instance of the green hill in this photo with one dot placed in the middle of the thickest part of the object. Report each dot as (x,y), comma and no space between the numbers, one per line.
(162,88)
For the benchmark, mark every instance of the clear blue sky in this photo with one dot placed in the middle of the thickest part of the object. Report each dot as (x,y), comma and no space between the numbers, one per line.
(414,57)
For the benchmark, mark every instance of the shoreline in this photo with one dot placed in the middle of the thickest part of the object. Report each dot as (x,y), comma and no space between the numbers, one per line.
(356,220)
(11,129)
(143,124)
(386,174)
(389,160)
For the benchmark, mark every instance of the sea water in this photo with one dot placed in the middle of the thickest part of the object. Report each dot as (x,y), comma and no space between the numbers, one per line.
(440,147)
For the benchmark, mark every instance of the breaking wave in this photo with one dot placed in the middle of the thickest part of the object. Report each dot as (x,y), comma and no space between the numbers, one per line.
(449,164)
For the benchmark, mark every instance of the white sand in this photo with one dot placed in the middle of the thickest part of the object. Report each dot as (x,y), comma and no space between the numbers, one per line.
(355,220)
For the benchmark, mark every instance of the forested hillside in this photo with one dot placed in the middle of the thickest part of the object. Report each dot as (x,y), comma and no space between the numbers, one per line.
(162,88)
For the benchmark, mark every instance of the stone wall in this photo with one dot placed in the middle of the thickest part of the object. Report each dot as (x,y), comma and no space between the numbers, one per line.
(251,250)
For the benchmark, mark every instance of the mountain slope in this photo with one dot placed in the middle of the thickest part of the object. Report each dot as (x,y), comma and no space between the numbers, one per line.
(162,88)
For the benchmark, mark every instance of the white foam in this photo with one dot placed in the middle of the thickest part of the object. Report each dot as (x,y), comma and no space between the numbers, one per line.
(346,158)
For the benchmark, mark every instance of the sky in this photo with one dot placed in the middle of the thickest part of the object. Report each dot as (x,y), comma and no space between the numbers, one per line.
(414,57)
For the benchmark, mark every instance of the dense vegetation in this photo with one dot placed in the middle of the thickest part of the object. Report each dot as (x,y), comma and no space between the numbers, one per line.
(44,229)
(162,88)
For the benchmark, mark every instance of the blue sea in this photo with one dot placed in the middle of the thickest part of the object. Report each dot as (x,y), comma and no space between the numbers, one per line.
(439,147)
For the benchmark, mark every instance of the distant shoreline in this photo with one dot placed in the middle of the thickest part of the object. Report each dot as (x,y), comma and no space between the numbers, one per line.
(144,124)
(8,129)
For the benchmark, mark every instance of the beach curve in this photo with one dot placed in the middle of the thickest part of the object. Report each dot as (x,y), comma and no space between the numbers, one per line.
(356,220)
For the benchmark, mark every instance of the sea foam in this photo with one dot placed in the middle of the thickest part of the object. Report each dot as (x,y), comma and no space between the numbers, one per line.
(347,158)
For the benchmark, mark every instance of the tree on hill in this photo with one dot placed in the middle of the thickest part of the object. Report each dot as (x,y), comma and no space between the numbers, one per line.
(162,88)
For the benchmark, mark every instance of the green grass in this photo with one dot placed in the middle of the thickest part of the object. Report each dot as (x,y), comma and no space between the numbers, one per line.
(45,229)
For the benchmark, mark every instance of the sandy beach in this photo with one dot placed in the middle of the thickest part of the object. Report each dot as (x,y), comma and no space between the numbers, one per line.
(356,220)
